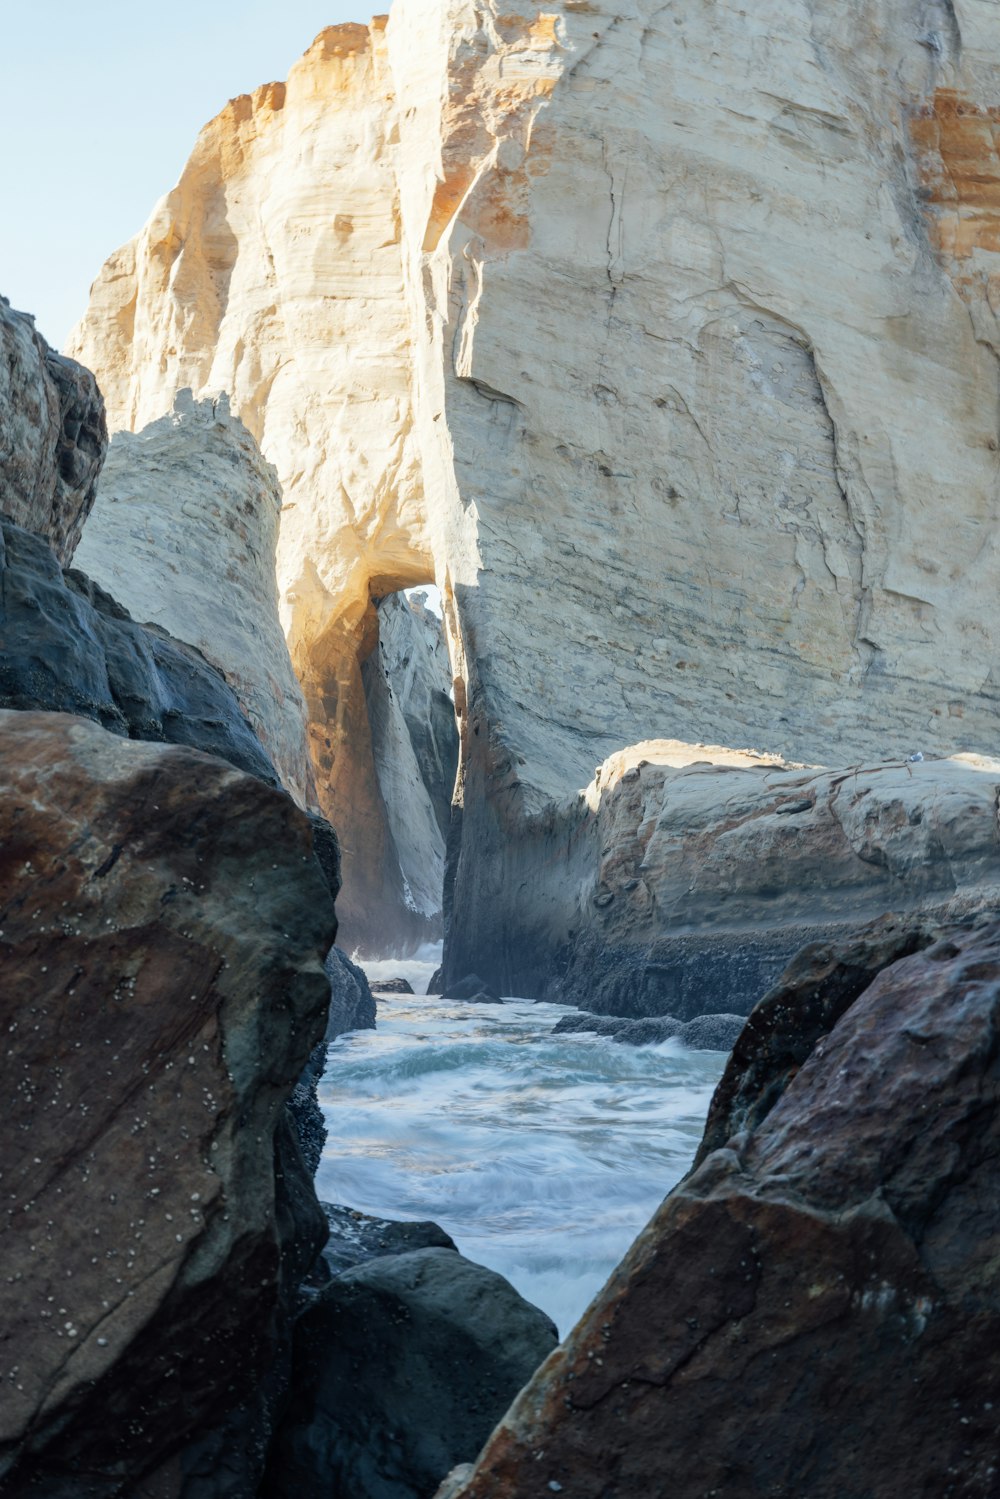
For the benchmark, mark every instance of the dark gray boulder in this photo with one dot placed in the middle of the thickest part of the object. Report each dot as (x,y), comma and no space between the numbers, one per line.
(649,1032)
(403,1366)
(600,1025)
(393,986)
(472,990)
(357,1237)
(352,1005)
(712,1032)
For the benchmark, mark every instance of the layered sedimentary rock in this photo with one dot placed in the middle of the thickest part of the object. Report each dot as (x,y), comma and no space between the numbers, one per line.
(815,1309)
(164,924)
(700,871)
(183,534)
(664,338)
(53,434)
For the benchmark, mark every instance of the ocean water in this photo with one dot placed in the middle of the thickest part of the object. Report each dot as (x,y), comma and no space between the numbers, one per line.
(541,1155)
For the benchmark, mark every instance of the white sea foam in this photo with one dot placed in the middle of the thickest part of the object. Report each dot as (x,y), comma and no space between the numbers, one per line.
(417,970)
(541,1155)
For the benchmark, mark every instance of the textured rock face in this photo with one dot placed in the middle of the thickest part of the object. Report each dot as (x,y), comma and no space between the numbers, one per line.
(415,753)
(405,1363)
(815,1309)
(701,871)
(53,435)
(163,930)
(352,1005)
(66,646)
(183,534)
(678,370)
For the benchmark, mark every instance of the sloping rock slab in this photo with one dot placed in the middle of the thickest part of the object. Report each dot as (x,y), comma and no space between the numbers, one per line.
(816,1309)
(162,929)
(404,1364)
(53,435)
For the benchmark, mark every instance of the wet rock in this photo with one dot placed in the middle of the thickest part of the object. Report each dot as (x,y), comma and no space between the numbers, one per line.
(646,1032)
(163,929)
(357,1237)
(393,986)
(305,1112)
(712,1032)
(601,1025)
(815,1309)
(436,981)
(352,1005)
(53,435)
(403,1366)
(472,990)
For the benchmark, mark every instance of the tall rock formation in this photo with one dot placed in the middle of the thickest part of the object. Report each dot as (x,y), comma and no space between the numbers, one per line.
(187,510)
(663,337)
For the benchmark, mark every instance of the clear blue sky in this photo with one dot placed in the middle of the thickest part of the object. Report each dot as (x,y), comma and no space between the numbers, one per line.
(102,103)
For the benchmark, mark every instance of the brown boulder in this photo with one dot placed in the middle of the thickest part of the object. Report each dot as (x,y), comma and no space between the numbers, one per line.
(163,924)
(815,1309)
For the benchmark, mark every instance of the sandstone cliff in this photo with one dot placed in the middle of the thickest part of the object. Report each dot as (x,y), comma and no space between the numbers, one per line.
(183,534)
(663,338)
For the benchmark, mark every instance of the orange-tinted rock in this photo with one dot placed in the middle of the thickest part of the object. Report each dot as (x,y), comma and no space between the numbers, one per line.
(162,927)
(816,1309)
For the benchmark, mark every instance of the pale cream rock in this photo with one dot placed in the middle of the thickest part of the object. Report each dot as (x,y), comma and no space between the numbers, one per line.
(183,533)
(662,336)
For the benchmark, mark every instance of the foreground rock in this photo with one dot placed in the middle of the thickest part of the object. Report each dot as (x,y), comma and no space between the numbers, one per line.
(163,928)
(53,435)
(721,518)
(815,1309)
(403,1366)
(183,534)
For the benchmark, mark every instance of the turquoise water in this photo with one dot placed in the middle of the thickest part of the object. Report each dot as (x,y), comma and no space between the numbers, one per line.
(541,1155)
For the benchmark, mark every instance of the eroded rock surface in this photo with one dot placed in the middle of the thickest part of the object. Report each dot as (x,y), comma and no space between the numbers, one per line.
(700,871)
(815,1309)
(53,434)
(678,372)
(164,924)
(183,534)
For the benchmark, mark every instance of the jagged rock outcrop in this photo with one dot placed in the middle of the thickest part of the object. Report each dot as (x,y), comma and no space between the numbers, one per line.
(352,1004)
(53,434)
(814,1309)
(664,339)
(183,534)
(163,931)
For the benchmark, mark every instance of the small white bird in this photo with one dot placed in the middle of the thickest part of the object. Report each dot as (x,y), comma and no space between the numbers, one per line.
(916,759)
